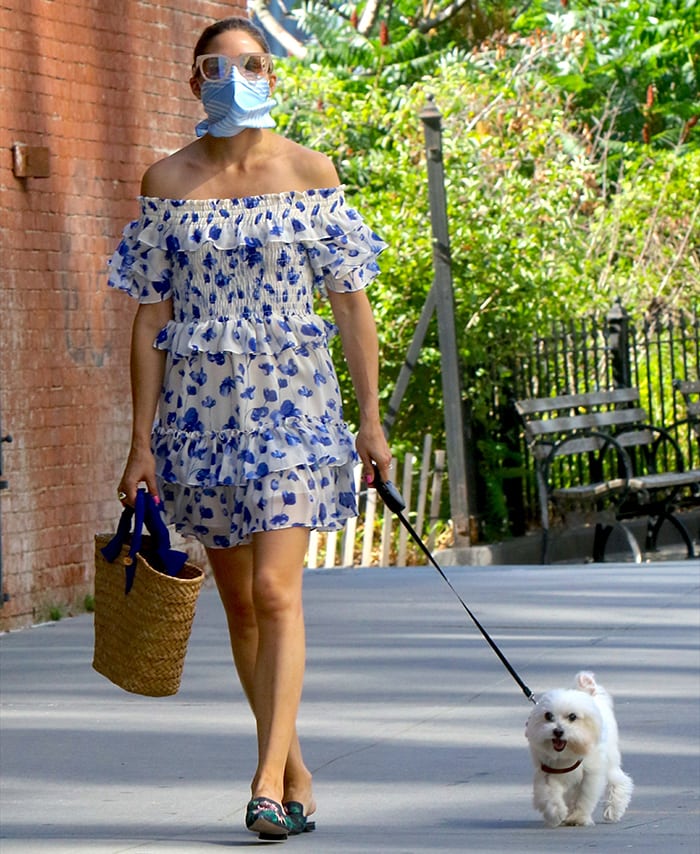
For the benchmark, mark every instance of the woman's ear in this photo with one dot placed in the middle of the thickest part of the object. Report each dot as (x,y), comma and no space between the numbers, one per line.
(196,86)
(272,79)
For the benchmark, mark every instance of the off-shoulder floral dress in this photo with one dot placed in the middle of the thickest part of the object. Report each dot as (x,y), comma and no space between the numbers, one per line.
(249,434)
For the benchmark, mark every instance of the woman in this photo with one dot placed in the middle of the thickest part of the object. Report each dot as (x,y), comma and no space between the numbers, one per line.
(248,450)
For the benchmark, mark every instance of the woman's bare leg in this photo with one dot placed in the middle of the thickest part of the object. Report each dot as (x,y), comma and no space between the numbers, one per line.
(260,588)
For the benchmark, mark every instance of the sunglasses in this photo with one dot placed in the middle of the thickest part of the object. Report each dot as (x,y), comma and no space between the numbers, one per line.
(216,67)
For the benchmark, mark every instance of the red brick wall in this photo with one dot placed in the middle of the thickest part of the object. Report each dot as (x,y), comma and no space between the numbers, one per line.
(104,86)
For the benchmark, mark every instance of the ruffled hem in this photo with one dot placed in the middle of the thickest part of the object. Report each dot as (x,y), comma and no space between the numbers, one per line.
(342,248)
(234,457)
(267,335)
(323,498)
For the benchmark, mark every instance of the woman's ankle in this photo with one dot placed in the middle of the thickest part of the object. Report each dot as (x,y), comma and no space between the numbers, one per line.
(299,788)
(265,787)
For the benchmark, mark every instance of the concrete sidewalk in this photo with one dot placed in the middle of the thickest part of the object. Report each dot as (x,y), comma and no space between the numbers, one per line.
(413,728)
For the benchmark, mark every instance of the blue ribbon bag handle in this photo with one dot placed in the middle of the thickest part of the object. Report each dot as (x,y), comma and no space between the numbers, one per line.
(160,555)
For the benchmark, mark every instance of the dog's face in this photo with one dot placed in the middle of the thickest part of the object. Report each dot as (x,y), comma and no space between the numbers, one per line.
(563,723)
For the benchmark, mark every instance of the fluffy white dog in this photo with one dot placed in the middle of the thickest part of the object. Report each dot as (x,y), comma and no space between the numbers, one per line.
(574,746)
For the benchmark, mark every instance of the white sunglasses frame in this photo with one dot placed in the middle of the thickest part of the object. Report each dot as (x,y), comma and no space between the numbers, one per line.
(232,62)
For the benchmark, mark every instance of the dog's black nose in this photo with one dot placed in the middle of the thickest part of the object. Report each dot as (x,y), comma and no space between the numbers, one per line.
(558,732)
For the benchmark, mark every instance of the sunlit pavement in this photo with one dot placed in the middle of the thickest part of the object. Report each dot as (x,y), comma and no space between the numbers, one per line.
(412,726)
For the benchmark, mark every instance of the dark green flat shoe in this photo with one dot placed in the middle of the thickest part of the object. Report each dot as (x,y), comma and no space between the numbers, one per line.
(268,818)
(296,820)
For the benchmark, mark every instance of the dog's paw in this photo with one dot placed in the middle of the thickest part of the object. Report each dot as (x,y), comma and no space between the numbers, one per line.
(619,795)
(554,815)
(579,819)
(611,814)
(614,811)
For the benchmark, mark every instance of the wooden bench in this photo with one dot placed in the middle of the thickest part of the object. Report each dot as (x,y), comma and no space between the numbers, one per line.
(689,390)
(597,453)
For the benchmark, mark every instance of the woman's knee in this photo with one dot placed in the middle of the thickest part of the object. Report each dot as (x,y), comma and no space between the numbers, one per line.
(274,596)
(278,569)
(240,612)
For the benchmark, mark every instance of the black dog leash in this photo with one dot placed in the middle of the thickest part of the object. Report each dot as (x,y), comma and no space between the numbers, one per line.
(393,499)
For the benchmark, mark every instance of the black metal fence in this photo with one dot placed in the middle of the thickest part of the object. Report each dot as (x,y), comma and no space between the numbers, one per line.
(603,352)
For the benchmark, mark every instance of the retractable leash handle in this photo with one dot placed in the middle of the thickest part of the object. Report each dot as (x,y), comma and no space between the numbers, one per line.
(394,501)
(388,493)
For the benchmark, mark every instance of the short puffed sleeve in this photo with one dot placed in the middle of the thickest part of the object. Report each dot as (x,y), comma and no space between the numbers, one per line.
(138,267)
(343,252)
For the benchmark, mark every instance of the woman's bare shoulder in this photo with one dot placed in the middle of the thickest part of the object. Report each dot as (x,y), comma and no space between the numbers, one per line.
(312,168)
(167,178)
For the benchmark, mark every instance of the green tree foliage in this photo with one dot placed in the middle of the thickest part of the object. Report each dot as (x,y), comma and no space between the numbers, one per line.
(638,70)
(538,229)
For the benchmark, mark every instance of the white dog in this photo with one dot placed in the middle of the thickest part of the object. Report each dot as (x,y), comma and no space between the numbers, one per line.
(574,746)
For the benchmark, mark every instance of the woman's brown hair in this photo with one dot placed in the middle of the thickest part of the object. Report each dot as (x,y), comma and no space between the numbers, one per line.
(235,23)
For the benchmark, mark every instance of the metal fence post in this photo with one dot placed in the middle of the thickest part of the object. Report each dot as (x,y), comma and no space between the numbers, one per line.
(617,335)
(451,386)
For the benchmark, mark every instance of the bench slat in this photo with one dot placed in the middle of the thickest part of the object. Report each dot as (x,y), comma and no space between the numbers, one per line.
(589,420)
(633,438)
(589,490)
(582,444)
(535,405)
(665,480)
(687,386)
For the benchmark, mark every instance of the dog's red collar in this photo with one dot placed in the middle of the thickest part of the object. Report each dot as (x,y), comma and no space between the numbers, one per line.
(548,770)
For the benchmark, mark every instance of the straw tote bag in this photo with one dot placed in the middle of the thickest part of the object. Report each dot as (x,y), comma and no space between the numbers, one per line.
(145,599)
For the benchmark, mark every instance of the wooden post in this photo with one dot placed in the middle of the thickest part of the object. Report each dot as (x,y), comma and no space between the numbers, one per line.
(435,495)
(370,512)
(406,492)
(451,386)
(423,483)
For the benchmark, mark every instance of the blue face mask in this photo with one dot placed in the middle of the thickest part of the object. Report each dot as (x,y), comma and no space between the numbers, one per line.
(235,104)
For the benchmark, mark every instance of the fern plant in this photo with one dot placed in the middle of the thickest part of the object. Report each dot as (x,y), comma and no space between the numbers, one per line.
(334,42)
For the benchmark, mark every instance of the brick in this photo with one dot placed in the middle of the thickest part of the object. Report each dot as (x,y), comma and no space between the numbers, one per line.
(91,97)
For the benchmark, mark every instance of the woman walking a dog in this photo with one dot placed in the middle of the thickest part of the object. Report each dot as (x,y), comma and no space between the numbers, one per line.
(237,418)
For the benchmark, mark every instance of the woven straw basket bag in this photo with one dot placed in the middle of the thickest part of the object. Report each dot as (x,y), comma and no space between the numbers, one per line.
(145,599)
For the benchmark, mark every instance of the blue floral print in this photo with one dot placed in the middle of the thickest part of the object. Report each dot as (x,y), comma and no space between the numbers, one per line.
(249,434)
